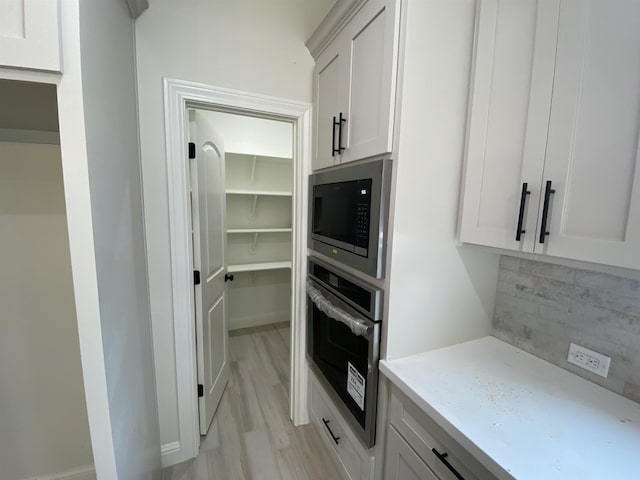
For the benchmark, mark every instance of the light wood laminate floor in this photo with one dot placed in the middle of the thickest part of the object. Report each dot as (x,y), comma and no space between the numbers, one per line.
(251,436)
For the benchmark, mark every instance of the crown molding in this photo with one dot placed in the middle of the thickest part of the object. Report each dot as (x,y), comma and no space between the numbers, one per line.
(341,12)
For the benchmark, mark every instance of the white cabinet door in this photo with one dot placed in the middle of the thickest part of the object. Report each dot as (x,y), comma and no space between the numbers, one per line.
(355,79)
(30,34)
(330,74)
(401,462)
(371,42)
(511,95)
(592,153)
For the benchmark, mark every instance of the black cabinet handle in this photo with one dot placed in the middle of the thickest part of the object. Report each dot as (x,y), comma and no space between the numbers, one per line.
(337,123)
(545,210)
(523,200)
(326,424)
(443,458)
(340,147)
(228,277)
(333,138)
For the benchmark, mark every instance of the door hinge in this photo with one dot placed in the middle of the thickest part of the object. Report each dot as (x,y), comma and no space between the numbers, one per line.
(196,277)
(192,150)
(200,390)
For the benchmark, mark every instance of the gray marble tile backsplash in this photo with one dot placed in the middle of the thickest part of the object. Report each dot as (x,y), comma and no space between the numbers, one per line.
(542,307)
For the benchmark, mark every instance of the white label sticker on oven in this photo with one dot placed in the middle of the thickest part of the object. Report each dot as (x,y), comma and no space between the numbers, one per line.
(356,385)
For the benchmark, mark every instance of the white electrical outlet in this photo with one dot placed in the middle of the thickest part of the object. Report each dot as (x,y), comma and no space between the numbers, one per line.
(589,360)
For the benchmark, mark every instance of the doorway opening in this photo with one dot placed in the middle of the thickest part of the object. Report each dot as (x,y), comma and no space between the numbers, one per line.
(264,146)
(43,397)
(241,185)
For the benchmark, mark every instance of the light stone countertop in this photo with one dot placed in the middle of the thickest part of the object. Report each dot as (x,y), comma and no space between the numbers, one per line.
(521,416)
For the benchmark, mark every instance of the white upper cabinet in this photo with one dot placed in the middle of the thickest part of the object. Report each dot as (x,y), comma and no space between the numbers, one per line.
(511,96)
(592,151)
(30,34)
(555,98)
(354,87)
(331,71)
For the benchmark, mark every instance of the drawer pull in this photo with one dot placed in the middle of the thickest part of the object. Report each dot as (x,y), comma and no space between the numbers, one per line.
(326,424)
(443,459)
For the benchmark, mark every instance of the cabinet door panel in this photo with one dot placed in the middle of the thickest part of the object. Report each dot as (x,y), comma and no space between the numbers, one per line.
(401,462)
(511,95)
(371,43)
(592,153)
(327,78)
(29,34)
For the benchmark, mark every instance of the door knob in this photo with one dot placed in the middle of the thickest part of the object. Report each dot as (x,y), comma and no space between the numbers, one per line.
(228,277)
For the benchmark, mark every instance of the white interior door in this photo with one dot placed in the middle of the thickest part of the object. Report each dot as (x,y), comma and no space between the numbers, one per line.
(209,241)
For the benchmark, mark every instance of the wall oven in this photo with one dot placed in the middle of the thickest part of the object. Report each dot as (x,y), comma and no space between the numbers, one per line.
(343,342)
(348,209)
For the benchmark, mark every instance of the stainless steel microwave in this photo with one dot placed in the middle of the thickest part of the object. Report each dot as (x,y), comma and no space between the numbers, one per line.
(348,209)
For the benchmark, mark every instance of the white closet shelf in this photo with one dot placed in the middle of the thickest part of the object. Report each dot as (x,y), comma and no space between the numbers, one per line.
(254,267)
(240,155)
(274,193)
(259,230)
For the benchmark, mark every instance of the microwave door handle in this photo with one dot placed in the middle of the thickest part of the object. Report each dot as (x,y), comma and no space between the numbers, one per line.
(357,326)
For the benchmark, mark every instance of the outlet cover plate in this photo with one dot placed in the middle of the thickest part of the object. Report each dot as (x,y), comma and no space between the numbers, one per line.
(589,360)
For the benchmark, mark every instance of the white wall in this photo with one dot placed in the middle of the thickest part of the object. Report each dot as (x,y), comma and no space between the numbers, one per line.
(252,135)
(43,424)
(248,45)
(111,129)
(439,294)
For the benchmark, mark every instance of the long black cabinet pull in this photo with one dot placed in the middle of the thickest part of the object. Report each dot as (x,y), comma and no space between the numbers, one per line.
(341,121)
(326,424)
(337,123)
(334,150)
(443,458)
(545,210)
(523,200)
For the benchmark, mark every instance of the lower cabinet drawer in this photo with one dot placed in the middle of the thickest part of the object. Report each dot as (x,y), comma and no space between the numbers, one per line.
(356,460)
(444,456)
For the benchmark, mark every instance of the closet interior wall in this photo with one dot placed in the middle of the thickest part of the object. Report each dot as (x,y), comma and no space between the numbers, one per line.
(259,194)
(43,425)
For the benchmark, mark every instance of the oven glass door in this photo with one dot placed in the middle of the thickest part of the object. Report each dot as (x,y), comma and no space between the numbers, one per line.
(334,347)
(341,214)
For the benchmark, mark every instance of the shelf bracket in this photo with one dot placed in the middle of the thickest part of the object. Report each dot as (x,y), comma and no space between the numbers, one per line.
(253,244)
(254,205)
(253,171)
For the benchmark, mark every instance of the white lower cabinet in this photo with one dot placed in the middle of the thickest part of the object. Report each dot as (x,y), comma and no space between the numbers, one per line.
(402,462)
(356,460)
(418,448)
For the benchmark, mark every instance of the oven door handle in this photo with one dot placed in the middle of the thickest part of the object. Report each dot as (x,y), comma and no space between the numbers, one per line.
(356,325)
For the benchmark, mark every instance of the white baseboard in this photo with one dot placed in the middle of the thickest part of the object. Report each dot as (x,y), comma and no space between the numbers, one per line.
(258,320)
(87,472)
(170,454)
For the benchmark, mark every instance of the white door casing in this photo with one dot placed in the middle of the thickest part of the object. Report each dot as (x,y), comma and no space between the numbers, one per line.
(179,96)
(209,244)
